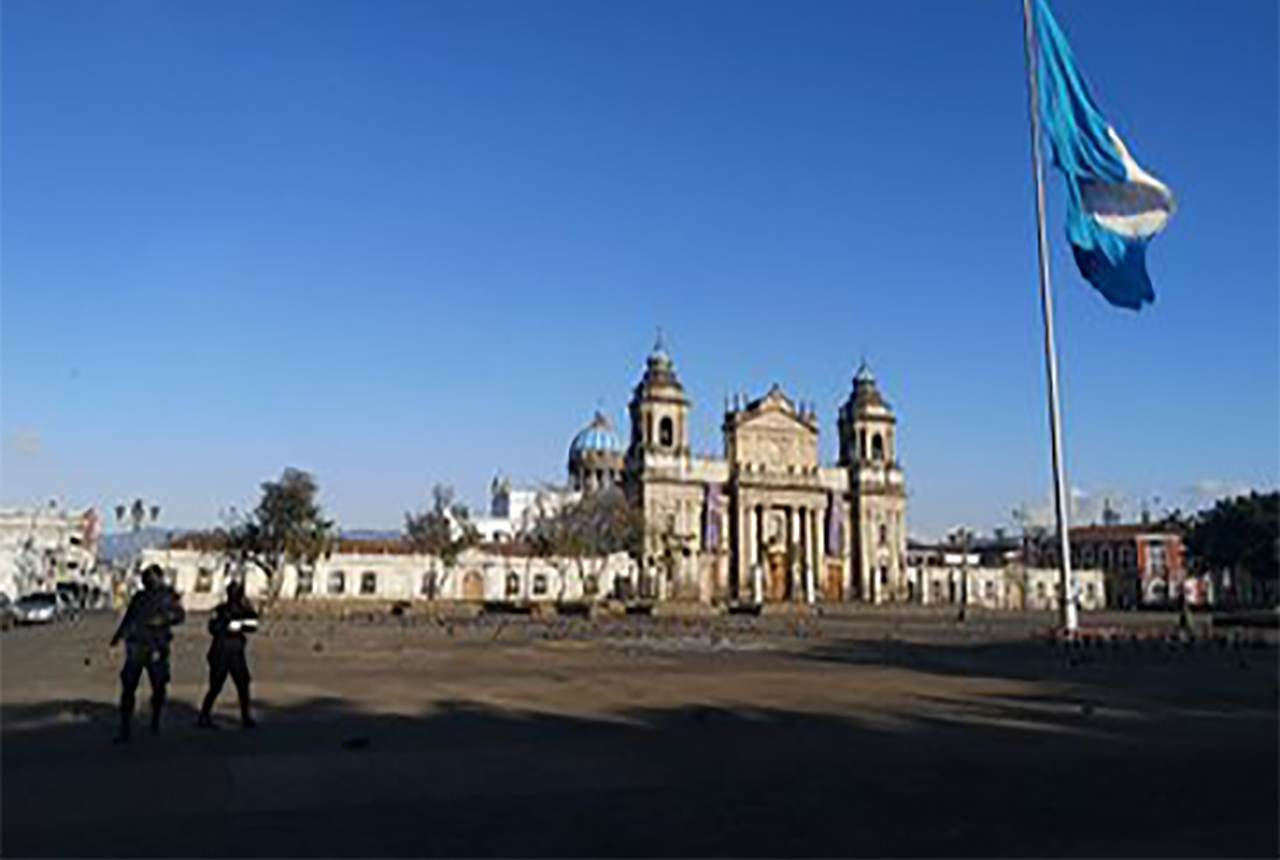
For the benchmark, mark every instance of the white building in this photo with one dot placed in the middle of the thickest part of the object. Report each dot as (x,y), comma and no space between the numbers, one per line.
(42,546)
(374,571)
(515,512)
(939,575)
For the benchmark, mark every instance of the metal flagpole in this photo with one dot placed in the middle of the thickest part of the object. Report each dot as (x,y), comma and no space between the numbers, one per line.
(1070,620)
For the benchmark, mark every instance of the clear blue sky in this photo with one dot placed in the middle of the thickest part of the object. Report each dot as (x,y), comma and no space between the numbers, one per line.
(401,243)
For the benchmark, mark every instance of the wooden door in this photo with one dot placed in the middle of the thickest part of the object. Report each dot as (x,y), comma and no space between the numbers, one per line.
(833,591)
(776,587)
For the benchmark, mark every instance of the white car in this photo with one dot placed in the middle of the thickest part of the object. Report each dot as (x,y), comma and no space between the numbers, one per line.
(40,608)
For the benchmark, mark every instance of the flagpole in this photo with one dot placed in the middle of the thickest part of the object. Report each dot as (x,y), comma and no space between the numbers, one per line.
(1070,620)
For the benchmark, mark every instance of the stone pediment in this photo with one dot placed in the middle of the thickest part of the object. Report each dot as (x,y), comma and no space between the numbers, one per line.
(771,436)
(774,410)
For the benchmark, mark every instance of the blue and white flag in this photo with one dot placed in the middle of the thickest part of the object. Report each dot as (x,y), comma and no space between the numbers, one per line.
(1114,206)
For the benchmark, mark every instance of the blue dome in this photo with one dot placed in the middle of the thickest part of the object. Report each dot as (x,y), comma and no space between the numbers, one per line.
(596,437)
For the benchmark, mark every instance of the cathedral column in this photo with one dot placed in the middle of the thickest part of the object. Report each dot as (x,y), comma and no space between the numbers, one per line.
(816,554)
(795,539)
(757,573)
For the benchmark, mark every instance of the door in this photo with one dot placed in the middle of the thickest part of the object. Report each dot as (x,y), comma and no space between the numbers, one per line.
(776,587)
(473,586)
(834,591)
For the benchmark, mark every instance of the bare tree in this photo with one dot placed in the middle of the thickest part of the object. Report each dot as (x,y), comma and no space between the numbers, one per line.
(581,537)
(444,530)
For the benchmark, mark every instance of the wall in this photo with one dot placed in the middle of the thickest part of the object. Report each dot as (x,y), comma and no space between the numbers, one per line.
(477,576)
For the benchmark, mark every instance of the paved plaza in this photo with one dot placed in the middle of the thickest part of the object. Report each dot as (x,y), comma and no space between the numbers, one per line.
(876,732)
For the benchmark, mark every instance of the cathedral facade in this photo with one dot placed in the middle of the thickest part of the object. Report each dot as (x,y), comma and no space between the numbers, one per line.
(767,521)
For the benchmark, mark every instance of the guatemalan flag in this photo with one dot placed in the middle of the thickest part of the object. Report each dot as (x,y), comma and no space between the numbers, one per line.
(1114,206)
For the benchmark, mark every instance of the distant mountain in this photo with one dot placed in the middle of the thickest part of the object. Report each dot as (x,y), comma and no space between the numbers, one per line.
(368,534)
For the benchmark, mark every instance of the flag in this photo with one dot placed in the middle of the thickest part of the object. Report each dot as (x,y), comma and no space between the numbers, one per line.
(1114,207)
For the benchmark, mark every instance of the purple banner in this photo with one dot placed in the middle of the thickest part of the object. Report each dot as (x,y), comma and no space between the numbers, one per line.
(835,518)
(711,517)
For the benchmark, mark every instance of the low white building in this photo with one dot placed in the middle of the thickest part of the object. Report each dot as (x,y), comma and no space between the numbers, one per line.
(201,576)
(42,546)
(937,575)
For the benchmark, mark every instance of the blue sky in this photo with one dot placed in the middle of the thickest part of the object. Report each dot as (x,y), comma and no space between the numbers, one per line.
(402,243)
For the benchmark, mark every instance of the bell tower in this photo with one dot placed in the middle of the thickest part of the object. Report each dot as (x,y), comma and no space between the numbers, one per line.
(659,410)
(877,492)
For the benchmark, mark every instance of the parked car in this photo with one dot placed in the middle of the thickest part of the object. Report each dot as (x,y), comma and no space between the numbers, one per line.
(43,607)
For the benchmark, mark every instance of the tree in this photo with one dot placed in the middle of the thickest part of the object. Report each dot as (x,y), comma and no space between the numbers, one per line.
(1240,535)
(444,530)
(287,528)
(584,534)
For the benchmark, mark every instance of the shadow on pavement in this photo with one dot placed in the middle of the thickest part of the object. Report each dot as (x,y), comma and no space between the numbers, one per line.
(1145,758)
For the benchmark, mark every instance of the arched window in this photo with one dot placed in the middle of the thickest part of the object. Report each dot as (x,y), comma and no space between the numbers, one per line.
(862,443)
(877,447)
(368,582)
(884,535)
(337,582)
(666,432)
(513,585)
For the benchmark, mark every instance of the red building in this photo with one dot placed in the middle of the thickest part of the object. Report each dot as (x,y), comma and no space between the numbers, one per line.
(1144,564)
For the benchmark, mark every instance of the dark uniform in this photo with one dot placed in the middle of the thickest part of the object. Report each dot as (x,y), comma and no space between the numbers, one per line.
(229,626)
(146,631)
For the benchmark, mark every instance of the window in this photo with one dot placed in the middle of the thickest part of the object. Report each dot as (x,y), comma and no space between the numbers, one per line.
(1156,553)
(204,581)
(337,582)
(1106,558)
(1090,592)
(540,584)
(937,591)
(306,582)
(1040,590)
(591,585)
(666,433)
(989,588)
(513,585)
(428,588)
(368,582)
(877,447)
(884,535)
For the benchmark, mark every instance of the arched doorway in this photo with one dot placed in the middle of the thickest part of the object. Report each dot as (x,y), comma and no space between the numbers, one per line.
(473,586)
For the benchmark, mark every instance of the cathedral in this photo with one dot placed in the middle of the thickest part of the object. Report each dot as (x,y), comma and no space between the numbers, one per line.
(767,521)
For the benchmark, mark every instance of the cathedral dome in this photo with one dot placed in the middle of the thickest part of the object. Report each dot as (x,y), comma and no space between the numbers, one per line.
(596,438)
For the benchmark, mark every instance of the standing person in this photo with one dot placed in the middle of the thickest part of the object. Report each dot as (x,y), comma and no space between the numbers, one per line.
(146,631)
(232,621)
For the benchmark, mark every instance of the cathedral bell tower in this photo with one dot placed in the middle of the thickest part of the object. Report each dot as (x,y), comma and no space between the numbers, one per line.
(659,411)
(877,493)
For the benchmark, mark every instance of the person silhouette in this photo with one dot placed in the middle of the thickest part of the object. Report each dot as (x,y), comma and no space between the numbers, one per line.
(231,623)
(146,629)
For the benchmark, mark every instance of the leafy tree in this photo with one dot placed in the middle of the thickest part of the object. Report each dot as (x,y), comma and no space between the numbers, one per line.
(1241,535)
(287,528)
(444,530)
